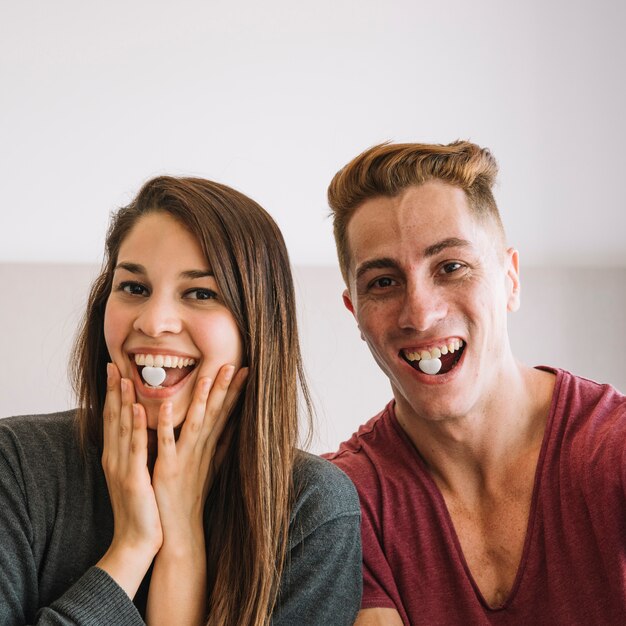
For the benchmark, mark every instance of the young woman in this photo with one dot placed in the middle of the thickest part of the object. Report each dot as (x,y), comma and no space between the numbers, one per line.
(175,493)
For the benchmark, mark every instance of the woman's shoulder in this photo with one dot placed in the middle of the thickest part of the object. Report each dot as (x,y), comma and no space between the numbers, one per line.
(36,439)
(40,420)
(32,428)
(322,492)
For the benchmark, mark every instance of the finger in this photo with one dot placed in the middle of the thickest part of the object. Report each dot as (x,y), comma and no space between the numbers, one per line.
(111,409)
(222,398)
(165,434)
(138,460)
(125,422)
(234,391)
(194,420)
(222,446)
(218,442)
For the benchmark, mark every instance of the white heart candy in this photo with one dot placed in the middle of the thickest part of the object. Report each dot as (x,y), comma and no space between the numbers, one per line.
(154,376)
(430,366)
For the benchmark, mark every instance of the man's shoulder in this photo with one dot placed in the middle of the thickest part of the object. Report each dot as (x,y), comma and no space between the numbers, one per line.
(584,400)
(589,422)
(369,447)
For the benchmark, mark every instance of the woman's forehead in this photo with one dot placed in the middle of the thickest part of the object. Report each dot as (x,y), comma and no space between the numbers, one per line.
(161,239)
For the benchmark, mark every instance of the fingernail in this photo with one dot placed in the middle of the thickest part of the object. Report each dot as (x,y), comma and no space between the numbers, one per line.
(228,373)
(135,410)
(124,384)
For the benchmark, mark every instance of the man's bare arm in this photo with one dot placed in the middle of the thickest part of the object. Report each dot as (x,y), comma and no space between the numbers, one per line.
(378,617)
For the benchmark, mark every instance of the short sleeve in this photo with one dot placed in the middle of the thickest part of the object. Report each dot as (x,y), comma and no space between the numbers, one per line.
(378,579)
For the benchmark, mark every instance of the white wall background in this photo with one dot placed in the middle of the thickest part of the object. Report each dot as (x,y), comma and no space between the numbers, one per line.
(272,98)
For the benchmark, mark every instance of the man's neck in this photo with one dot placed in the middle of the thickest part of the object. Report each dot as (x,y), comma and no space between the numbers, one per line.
(480,449)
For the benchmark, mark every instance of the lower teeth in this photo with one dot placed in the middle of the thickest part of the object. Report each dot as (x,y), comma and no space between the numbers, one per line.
(429,366)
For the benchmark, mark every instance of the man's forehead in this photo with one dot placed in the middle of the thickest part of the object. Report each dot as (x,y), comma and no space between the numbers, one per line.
(420,218)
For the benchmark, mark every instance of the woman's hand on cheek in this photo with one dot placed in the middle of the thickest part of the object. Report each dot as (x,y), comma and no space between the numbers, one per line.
(137,533)
(183,473)
(184,469)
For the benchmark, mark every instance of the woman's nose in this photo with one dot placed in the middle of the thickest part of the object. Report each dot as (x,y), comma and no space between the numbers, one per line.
(158,316)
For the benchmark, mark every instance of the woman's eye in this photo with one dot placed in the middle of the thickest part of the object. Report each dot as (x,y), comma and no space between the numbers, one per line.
(134,289)
(201,294)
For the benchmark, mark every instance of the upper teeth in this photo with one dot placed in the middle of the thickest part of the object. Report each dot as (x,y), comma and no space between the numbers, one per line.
(435,352)
(163,360)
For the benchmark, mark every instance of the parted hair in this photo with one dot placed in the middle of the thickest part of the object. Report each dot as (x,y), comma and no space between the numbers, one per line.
(387,169)
(252,493)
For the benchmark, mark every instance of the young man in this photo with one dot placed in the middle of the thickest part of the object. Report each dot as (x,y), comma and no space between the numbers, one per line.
(491,492)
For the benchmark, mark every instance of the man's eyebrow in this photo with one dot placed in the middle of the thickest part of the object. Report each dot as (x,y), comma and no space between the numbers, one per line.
(389,263)
(451,242)
(376,264)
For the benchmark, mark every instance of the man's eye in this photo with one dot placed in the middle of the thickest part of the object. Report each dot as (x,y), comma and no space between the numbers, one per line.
(201,294)
(134,289)
(450,268)
(383,283)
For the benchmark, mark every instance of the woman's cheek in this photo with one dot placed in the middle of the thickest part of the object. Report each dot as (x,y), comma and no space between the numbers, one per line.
(111,329)
(219,344)
(115,334)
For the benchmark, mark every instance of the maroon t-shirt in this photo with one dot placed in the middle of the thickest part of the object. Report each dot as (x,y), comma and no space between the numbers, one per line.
(573,565)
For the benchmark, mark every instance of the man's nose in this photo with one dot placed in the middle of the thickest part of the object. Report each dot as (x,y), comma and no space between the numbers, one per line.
(423,307)
(158,316)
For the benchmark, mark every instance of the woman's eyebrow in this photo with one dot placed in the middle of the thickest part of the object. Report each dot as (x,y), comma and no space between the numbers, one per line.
(136,268)
(197,274)
(133,268)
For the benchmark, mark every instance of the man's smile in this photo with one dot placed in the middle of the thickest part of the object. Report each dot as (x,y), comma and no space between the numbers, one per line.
(436,359)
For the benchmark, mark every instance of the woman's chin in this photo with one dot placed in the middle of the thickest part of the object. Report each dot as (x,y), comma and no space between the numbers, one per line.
(153,420)
(152,415)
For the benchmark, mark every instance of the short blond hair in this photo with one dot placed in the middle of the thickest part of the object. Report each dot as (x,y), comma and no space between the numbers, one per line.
(389,168)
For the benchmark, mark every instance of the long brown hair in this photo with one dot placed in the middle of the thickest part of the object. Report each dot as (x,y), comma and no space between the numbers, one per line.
(253,492)
(389,168)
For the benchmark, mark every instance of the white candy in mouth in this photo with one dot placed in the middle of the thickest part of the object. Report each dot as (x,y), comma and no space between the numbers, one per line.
(154,376)
(429,366)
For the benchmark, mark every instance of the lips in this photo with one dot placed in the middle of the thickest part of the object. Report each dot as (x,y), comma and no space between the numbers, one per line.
(448,353)
(176,368)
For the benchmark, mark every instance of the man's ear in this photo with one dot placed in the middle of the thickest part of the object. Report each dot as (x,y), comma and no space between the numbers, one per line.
(347,302)
(513,282)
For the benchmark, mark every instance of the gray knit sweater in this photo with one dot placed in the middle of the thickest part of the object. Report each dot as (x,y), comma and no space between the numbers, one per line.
(56,522)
